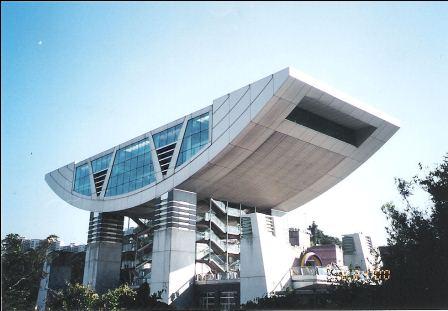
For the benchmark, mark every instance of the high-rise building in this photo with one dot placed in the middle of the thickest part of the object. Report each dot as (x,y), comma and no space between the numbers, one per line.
(210,191)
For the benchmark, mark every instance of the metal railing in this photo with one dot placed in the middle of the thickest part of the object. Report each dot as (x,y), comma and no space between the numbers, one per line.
(233,212)
(219,205)
(233,230)
(127,264)
(222,245)
(128,248)
(140,281)
(217,241)
(309,271)
(218,260)
(218,222)
(283,283)
(233,248)
(232,275)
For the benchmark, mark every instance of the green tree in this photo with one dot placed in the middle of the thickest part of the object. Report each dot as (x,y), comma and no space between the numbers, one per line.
(417,249)
(22,272)
(119,298)
(417,256)
(80,297)
(318,237)
(74,297)
(418,242)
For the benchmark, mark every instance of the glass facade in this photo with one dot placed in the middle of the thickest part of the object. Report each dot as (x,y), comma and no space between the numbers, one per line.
(132,169)
(195,137)
(167,136)
(82,180)
(101,164)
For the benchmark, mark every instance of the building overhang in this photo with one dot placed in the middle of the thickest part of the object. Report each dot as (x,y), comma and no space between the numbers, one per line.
(276,143)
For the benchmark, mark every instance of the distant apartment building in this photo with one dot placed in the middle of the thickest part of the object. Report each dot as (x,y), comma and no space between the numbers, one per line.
(28,244)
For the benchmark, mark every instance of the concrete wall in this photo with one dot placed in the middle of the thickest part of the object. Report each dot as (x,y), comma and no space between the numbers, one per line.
(266,257)
(174,250)
(361,256)
(173,262)
(102,266)
(59,269)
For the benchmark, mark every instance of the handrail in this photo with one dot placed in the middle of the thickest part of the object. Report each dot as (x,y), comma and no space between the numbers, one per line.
(280,283)
(219,205)
(315,270)
(206,235)
(218,222)
(233,248)
(233,212)
(215,239)
(221,225)
(218,259)
(207,254)
(181,289)
(236,230)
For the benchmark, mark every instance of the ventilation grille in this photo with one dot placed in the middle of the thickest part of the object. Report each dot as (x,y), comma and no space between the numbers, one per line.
(98,179)
(164,155)
(348,245)
(173,213)
(270,224)
(246,227)
(105,227)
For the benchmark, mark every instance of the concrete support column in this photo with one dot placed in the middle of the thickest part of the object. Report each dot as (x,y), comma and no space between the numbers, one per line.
(103,252)
(266,256)
(174,248)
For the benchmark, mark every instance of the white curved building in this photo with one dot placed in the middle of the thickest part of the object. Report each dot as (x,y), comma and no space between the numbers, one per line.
(267,148)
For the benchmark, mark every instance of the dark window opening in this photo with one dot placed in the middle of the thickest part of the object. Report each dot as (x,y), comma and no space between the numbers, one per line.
(331,128)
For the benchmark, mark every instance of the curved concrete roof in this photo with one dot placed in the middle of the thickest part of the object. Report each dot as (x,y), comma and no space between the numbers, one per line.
(256,156)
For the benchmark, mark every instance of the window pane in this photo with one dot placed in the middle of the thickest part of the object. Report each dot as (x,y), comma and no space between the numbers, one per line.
(82,180)
(196,126)
(204,137)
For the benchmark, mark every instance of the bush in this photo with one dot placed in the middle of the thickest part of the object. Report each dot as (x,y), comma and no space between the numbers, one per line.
(80,297)
(119,298)
(74,297)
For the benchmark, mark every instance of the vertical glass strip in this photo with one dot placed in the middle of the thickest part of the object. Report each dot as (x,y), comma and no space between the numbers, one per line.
(195,138)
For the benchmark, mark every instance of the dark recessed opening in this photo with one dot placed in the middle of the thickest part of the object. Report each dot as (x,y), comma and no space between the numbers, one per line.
(323,124)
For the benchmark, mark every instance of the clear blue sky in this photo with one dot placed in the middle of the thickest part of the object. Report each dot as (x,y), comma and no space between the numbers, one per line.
(80,78)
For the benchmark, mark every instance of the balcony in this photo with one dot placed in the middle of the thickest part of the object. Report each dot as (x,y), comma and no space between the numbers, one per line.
(307,276)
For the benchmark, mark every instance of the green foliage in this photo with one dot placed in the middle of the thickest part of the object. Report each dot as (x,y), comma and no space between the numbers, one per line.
(80,297)
(418,242)
(22,271)
(318,237)
(145,300)
(74,297)
(290,301)
(118,298)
